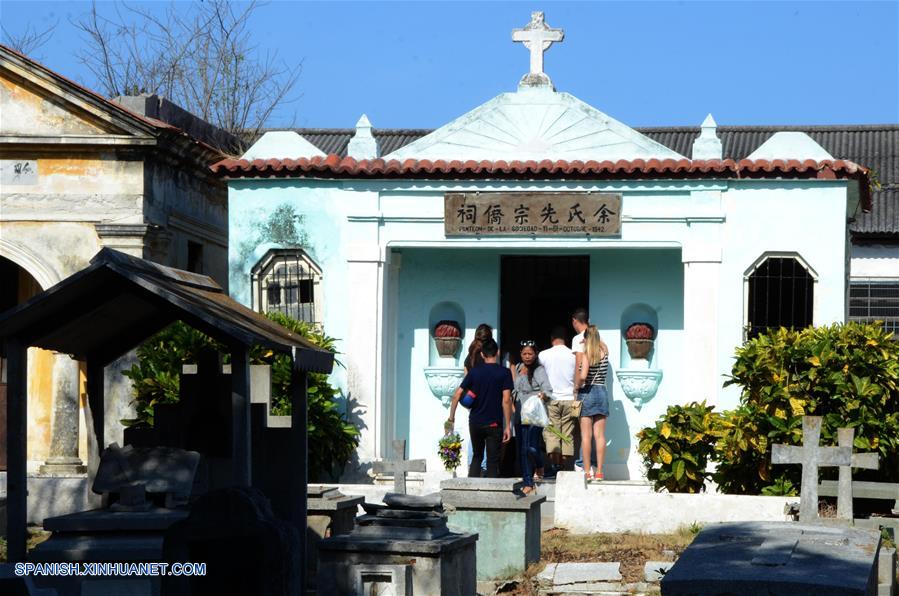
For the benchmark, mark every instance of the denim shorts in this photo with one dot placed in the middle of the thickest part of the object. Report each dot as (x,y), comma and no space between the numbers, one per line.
(595,400)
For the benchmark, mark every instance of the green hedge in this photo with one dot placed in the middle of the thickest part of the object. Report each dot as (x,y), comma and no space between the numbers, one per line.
(846,373)
(156,380)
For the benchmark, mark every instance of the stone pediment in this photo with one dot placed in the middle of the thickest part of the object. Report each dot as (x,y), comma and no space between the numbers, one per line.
(37,103)
(26,112)
(535,124)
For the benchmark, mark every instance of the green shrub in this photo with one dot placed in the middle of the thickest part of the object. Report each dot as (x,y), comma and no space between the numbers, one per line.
(846,373)
(156,380)
(677,449)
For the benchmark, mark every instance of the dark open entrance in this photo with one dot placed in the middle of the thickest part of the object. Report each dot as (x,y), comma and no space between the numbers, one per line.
(537,293)
(16,286)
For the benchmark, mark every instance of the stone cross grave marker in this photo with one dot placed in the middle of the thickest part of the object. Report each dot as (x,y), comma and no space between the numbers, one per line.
(400,466)
(868,461)
(811,456)
(537,36)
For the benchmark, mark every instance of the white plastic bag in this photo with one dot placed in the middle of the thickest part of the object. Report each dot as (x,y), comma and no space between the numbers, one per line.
(534,413)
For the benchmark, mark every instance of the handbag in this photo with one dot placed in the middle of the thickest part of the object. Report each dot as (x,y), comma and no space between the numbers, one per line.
(576,408)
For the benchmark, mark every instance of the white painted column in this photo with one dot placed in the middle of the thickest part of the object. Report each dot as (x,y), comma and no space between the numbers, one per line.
(702,265)
(386,398)
(364,347)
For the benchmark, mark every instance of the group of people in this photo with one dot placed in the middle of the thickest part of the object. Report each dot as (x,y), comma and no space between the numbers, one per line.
(570,382)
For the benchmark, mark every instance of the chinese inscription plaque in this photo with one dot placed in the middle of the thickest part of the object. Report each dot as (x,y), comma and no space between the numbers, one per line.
(532,213)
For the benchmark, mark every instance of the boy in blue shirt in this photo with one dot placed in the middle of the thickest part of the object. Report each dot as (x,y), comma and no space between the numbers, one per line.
(489,423)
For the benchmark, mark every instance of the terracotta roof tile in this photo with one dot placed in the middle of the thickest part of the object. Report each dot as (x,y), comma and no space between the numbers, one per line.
(333,166)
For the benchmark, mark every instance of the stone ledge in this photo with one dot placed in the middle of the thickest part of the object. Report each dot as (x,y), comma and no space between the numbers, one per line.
(437,546)
(490,501)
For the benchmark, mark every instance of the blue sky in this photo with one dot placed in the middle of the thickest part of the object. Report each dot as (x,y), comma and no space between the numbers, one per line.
(419,65)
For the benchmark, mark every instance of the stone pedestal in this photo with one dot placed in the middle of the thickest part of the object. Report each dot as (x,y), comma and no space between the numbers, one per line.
(404,548)
(329,513)
(507,522)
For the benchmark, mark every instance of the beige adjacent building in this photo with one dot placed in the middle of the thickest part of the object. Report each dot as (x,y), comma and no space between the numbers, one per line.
(79,172)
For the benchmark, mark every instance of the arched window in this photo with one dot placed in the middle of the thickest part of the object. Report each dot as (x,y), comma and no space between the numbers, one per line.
(288,281)
(780,293)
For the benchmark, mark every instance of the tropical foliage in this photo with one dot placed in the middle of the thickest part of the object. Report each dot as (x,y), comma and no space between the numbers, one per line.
(846,373)
(677,449)
(156,380)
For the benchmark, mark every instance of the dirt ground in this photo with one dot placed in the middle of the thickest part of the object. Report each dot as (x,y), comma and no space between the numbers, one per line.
(631,550)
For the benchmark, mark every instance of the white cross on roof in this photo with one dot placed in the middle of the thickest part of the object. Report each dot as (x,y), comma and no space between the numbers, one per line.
(537,36)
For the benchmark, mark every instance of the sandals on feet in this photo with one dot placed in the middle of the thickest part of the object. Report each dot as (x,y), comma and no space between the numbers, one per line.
(529,490)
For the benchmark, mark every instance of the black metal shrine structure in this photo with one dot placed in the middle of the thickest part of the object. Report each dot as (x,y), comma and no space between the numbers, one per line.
(109,308)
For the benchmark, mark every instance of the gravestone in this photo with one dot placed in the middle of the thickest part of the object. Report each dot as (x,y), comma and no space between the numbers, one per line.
(328,513)
(148,490)
(400,466)
(777,558)
(811,456)
(131,473)
(868,461)
(507,522)
(247,550)
(402,548)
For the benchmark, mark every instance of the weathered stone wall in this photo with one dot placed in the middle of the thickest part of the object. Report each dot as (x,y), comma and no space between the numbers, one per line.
(92,179)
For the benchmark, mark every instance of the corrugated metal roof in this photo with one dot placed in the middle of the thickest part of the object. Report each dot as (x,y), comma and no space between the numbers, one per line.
(874,146)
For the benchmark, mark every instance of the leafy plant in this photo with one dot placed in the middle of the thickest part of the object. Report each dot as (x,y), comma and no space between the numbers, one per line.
(156,377)
(677,449)
(846,373)
(782,487)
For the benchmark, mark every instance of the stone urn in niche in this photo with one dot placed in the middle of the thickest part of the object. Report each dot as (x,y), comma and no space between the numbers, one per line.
(639,338)
(447,338)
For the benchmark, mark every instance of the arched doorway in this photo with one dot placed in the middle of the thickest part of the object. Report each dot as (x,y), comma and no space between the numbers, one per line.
(16,286)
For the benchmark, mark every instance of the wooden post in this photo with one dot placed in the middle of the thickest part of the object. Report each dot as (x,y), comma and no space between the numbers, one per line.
(299,454)
(16,449)
(240,417)
(95,416)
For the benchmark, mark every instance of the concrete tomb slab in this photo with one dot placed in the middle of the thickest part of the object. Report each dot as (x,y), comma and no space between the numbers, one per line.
(328,513)
(247,550)
(399,551)
(508,522)
(793,559)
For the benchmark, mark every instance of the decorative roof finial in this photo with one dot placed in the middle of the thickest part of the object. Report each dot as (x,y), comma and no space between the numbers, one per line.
(707,145)
(363,145)
(537,36)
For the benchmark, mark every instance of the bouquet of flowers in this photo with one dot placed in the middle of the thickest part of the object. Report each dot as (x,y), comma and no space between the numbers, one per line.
(450,449)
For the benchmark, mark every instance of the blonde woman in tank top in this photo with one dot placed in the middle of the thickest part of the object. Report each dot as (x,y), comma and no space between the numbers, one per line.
(590,381)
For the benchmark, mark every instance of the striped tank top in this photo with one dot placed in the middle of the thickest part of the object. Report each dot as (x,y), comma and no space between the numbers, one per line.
(596,374)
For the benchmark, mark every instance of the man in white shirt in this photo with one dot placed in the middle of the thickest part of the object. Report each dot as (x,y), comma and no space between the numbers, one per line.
(559,362)
(579,322)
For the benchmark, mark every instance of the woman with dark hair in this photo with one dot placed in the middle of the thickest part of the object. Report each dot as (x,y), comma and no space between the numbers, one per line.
(531,379)
(474,358)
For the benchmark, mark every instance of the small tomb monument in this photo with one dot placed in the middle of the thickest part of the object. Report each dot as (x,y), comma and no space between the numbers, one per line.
(402,547)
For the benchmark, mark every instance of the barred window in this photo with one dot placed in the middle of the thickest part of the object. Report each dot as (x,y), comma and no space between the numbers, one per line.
(288,281)
(871,301)
(780,294)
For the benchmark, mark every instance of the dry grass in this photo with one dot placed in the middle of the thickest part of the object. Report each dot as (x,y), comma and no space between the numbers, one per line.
(35,537)
(631,550)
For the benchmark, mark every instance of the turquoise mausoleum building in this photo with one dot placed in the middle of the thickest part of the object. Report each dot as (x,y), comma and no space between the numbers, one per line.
(514,214)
